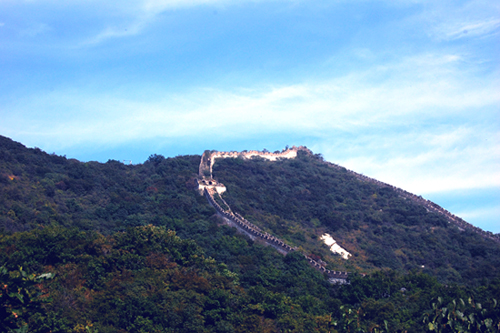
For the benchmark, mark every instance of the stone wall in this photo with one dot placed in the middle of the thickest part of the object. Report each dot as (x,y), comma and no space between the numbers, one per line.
(208,187)
(255,232)
(210,184)
(208,158)
(429,205)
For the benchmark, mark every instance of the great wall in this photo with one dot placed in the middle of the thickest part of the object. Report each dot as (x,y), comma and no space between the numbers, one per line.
(427,204)
(211,188)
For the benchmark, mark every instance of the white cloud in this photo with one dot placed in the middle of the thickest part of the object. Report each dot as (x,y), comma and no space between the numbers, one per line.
(434,167)
(126,30)
(157,6)
(486,217)
(458,30)
(393,116)
(417,87)
(481,213)
(449,20)
(146,12)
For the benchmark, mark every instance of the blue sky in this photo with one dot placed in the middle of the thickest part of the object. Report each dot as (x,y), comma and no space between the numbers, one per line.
(405,91)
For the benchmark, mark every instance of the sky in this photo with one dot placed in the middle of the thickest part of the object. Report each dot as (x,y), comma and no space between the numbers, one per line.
(404,91)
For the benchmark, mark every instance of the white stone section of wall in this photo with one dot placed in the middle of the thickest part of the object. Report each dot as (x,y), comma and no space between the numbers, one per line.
(289,153)
(220,188)
(334,247)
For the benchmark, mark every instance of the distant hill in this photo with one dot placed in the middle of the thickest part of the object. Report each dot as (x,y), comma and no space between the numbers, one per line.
(140,243)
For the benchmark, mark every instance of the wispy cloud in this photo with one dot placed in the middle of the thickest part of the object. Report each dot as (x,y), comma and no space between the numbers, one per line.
(416,88)
(490,212)
(487,217)
(389,116)
(468,19)
(125,30)
(458,30)
(147,11)
(427,163)
(157,6)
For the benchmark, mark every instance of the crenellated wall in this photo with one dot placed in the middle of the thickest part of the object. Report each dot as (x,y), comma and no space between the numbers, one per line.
(255,232)
(429,205)
(210,184)
(208,158)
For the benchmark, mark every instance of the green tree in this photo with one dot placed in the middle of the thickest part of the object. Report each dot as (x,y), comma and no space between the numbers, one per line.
(461,316)
(20,298)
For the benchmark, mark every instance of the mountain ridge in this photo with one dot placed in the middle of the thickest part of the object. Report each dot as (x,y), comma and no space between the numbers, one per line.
(135,248)
(370,211)
(296,200)
(208,160)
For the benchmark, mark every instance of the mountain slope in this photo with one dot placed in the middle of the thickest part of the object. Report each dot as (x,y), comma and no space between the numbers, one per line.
(136,248)
(297,200)
(300,199)
(40,189)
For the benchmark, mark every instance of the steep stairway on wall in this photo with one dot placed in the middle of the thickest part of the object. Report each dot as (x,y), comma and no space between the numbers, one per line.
(254,232)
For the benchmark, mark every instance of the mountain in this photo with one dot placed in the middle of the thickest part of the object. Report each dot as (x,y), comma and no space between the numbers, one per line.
(111,247)
(302,198)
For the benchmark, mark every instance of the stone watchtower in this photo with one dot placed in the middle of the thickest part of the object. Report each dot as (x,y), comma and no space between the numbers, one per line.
(205,179)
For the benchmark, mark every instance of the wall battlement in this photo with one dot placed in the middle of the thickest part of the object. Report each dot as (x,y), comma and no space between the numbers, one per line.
(429,205)
(255,232)
(208,158)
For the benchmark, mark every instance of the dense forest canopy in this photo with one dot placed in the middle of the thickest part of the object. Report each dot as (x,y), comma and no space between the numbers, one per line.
(108,247)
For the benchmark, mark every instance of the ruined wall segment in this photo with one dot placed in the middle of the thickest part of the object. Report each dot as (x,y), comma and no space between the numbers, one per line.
(334,247)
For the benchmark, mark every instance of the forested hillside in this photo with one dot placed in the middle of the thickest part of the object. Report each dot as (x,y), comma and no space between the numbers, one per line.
(300,199)
(108,247)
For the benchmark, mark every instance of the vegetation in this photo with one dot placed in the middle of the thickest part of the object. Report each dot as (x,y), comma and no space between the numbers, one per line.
(108,247)
(300,199)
